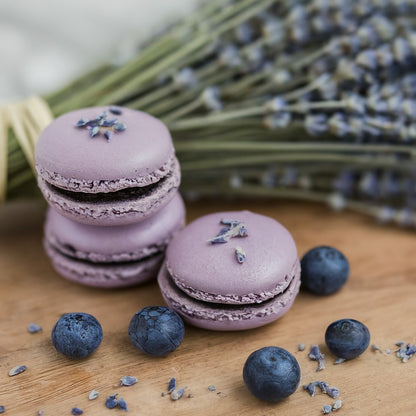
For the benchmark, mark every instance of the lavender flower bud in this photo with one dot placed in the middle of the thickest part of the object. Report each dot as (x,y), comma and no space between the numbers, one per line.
(277,120)
(401,50)
(230,56)
(385,214)
(316,124)
(409,108)
(368,184)
(210,97)
(355,103)
(344,183)
(244,33)
(375,103)
(185,78)
(273,30)
(254,54)
(276,104)
(336,201)
(337,124)
(290,176)
(368,36)
(367,59)
(384,56)
(281,77)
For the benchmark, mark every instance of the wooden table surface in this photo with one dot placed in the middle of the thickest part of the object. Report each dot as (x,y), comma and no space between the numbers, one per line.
(381,292)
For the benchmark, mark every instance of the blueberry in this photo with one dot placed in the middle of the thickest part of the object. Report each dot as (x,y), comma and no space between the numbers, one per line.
(77,335)
(324,270)
(347,338)
(271,373)
(156,330)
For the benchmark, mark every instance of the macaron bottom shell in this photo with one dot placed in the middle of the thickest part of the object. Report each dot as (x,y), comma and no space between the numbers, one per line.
(103,275)
(222,317)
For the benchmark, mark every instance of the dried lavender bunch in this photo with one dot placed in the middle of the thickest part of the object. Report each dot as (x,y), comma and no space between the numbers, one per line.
(306,99)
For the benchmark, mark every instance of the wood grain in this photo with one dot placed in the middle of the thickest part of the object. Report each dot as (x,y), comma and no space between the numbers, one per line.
(381,293)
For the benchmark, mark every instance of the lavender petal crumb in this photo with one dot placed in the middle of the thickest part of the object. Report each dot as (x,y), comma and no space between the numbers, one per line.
(77,411)
(211,388)
(122,404)
(337,405)
(163,394)
(339,360)
(405,352)
(387,351)
(40,413)
(375,348)
(17,370)
(172,385)
(33,328)
(330,391)
(93,395)
(301,347)
(316,355)
(327,409)
(111,401)
(2,409)
(128,380)
(190,395)
(234,228)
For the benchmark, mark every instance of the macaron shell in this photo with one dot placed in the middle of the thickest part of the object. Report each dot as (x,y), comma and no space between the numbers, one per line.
(104,276)
(211,272)
(220,317)
(118,243)
(113,213)
(144,147)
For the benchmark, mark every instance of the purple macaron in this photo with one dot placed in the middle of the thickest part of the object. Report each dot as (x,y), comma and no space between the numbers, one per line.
(112,257)
(231,271)
(107,165)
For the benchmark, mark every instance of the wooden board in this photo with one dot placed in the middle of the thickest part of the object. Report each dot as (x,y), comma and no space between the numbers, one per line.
(381,293)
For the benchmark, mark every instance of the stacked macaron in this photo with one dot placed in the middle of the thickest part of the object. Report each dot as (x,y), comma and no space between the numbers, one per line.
(231,271)
(110,176)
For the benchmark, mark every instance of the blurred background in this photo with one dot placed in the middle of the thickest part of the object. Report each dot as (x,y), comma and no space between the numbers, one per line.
(47,43)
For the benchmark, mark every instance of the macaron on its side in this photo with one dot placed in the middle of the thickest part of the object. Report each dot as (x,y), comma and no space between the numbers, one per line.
(112,256)
(106,165)
(231,317)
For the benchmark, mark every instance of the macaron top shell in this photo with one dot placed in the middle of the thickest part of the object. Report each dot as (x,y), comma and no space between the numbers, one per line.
(117,243)
(211,272)
(67,151)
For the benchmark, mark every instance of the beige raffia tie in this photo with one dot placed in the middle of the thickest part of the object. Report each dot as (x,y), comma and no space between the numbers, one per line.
(27,119)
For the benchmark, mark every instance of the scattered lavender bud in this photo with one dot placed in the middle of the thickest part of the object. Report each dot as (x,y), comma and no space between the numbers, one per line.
(311,388)
(339,360)
(375,348)
(111,401)
(17,370)
(122,404)
(2,409)
(337,405)
(33,328)
(40,413)
(316,355)
(108,135)
(177,394)
(93,395)
(327,409)
(77,411)
(235,229)
(211,387)
(172,385)
(301,347)
(163,394)
(190,395)
(128,380)
(240,254)
(185,78)
(102,115)
(210,97)
(109,123)
(387,351)
(326,388)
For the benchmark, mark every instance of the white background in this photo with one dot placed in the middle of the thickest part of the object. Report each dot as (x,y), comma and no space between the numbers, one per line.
(45,43)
